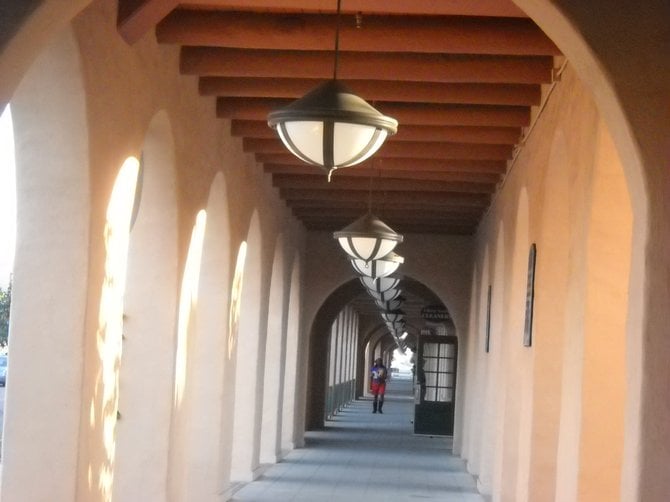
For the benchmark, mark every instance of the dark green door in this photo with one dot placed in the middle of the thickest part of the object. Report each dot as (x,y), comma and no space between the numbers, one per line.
(435,388)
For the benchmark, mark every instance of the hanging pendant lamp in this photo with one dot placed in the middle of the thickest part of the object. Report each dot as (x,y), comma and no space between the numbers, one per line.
(396,326)
(381,284)
(394,304)
(380,267)
(330,126)
(368,238)
(385,296)
(393,315)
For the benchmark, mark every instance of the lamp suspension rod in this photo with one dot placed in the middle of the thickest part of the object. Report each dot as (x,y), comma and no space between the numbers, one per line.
(370,194)
(337,40)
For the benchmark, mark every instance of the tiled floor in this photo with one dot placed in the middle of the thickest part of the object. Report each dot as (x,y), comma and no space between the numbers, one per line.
(363,456)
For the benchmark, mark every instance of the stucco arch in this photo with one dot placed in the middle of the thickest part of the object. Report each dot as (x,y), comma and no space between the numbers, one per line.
(249,362)
(517,361)
(292,412)
(552,267)
(53,214)
(275,352)
(619,56)
(491,438)
(206,456)
(605,372)
(150,302)
(184,361)
(475,382)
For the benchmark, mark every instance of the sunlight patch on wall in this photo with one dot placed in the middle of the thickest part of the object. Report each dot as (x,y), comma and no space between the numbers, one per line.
(104,408)
(236,300)
(187,303)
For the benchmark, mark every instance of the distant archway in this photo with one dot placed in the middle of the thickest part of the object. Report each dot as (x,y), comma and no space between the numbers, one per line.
(319,340)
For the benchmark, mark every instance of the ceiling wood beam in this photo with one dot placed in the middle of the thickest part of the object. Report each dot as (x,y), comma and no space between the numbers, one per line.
(388,212)
(405,149)
(135,18)
(502,8)
(390,163)
(404,229)
(363,173)
(339,223)
(377,90)
(452,134)
(315,32)
(426,198)
(225,62)
(391,220)
(361,205)
(401,227)
(412,114)
(384,185)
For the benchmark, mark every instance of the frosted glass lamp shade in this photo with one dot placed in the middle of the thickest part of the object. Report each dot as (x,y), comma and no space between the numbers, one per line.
(368,238)
(394,304)
(385,296)
(331,127)
(381,284)
(381,267)
(396,326)
(393,315)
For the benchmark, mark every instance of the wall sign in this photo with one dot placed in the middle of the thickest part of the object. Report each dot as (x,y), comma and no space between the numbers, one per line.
(530,295)
(435,313)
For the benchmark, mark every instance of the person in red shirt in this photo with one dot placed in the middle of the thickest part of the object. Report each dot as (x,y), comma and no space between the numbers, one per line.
(378,376)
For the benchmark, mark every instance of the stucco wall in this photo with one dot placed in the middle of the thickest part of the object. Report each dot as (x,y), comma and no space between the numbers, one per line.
(120,90)
(545,402)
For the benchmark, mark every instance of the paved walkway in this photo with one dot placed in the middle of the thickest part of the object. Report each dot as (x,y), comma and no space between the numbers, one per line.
(363,456)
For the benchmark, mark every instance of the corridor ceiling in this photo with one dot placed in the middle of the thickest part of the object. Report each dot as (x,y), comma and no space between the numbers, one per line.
(460,76)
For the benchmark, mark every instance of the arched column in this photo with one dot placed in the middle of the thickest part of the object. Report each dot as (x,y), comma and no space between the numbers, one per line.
(147,361)
(517,363)
(553,269)
(275,352)
(203,463)
(50,278)
(185,360)
(292,419)
(476,367)
(495,384)
(250,363)
(604,393)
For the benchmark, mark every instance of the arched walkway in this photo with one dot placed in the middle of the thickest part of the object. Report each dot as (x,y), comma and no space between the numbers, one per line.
(363,456)
(609,54)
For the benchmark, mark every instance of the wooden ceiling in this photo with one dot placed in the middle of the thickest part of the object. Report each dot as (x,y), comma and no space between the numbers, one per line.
(460,77)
